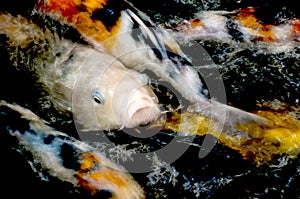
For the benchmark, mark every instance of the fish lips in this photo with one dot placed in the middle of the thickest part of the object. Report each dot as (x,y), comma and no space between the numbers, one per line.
(141,107)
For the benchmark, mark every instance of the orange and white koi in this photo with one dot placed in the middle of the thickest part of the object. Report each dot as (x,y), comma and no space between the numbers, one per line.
(242,26)
(66,158)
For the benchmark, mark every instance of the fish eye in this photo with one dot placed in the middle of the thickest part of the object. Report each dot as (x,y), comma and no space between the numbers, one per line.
(98,97)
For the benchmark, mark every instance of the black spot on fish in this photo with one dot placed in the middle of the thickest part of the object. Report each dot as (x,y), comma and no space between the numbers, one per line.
(104,194)
(69,156)
(49,139)
(136,33)
(157,53)
(109,14)
(140,36)
(55,26)
(11,119)
(175,58)
(233,30)
(181,63)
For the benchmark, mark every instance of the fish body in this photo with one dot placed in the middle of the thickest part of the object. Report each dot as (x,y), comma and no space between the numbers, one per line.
(129,35)
(66,158)
(99,91)
(241,27)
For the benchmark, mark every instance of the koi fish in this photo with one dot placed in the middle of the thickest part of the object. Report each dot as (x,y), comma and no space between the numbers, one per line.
(66,158)
(129,35)
(242,26)
(115,27)
(99,91)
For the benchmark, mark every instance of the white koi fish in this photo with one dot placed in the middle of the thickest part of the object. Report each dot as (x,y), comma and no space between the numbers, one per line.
(99,91)
(129,35)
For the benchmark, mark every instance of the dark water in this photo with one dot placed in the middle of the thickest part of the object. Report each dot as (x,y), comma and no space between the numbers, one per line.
(223,173)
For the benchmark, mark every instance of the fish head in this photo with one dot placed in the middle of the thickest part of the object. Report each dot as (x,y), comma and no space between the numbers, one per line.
(129,101)
(109,96)
(135,97)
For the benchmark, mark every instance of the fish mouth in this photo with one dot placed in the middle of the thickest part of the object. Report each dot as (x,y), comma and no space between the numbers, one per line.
(142,112)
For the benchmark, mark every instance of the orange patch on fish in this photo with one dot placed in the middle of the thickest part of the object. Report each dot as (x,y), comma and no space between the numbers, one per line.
(79,14)
(96,175)
(282,138)
(196,23)
(295,29)
(89,165)
(262,32)
(62,7)
(108,175)
(93,181)
(88,161)
(256,143)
